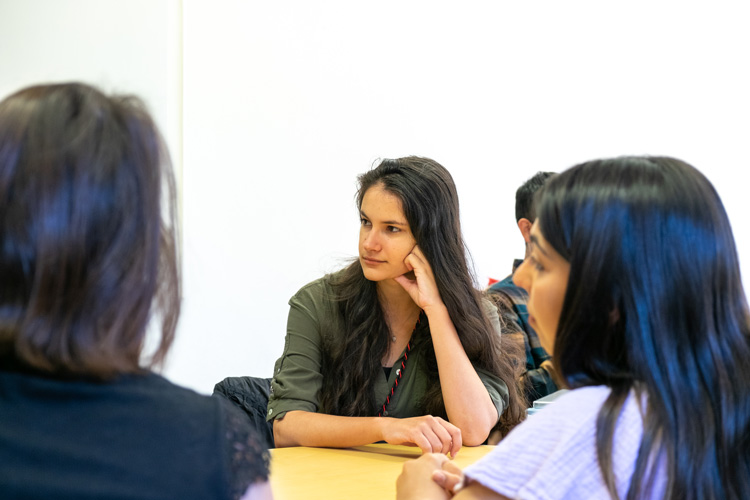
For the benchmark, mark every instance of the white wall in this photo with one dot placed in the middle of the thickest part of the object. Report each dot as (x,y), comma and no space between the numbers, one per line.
(125,47)
(286,102)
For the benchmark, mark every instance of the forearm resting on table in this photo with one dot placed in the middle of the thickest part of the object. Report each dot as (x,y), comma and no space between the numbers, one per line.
(467,401)
(430,434)
(302,428)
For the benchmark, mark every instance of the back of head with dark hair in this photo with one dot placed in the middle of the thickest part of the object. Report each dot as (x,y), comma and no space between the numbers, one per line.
(430,203)
(655,303)
(525,195)
(88,252)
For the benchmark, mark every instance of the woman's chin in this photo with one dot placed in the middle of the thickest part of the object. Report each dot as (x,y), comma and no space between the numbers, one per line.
(371,275)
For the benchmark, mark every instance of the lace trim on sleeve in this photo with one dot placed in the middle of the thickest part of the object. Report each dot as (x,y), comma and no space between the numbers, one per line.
(249,458)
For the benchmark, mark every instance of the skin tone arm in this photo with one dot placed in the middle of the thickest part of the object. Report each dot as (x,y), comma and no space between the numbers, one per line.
(467,401)
(434,477)
(430,434)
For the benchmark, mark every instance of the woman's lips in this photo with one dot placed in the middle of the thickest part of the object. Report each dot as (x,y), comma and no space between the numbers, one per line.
(372,262)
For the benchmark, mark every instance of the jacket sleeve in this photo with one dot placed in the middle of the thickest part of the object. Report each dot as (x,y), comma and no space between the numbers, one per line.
(297,376)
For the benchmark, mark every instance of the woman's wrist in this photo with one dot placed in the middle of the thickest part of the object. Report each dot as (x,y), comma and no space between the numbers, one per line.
(381,423)
(435,311)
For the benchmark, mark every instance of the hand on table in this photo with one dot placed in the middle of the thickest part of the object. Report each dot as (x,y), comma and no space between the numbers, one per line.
(450,477)
(415,481)
(430,434)
(431,476)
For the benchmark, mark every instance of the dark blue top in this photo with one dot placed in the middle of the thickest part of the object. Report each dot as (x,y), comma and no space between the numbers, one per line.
(138,436)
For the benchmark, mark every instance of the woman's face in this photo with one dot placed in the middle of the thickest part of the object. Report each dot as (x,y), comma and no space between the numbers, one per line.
(384,236)
(544,274)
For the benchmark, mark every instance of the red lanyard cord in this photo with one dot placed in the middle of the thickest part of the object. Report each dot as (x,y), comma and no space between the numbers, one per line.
(399,374)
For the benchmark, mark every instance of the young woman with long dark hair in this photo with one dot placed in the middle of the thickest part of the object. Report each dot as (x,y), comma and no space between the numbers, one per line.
(634,284)
(88,260)
(399,346)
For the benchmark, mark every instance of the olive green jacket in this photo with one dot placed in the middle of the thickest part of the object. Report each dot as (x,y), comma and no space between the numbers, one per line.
(297,380)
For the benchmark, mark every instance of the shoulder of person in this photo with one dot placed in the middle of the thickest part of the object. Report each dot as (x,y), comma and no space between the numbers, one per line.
(322,286)
(488,305)
(492,312)
(509,291)
(158,386)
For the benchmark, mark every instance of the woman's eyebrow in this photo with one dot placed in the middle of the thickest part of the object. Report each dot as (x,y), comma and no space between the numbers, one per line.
(388,222)
(535,242)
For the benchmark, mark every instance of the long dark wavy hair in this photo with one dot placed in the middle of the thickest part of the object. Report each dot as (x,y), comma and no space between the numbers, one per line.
(88,255)
(430,204)
(655,305)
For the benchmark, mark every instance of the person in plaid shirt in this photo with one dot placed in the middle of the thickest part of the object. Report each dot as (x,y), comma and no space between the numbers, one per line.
(539,379)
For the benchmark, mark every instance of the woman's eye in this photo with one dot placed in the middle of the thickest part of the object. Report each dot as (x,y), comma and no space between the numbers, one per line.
(364,221)
(537,265)
(393,229)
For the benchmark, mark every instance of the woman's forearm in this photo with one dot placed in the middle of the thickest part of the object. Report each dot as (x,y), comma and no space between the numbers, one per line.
(302,428)
(467,402)
(430,434)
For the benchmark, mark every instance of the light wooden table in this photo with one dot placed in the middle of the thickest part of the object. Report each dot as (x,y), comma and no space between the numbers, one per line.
(361,473)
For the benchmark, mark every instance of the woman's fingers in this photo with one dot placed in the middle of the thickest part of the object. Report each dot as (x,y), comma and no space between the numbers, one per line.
(456,440)
(448,481)
(415,481)
(423,288)
(417,252)
(418,263)
(430,434)
(450,436)
(444,435)
(411,288)
(423,442)
(452,477)
(428,439)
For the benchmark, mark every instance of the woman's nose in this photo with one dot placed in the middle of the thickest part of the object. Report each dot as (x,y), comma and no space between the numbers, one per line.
(370,241)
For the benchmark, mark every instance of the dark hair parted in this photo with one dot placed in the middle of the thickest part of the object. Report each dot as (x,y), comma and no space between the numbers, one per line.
(430,204)
(655,304)
(525,195)
(88,252)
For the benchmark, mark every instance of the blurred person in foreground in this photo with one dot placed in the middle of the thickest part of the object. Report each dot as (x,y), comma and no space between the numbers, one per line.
(88,261)
(634,288)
